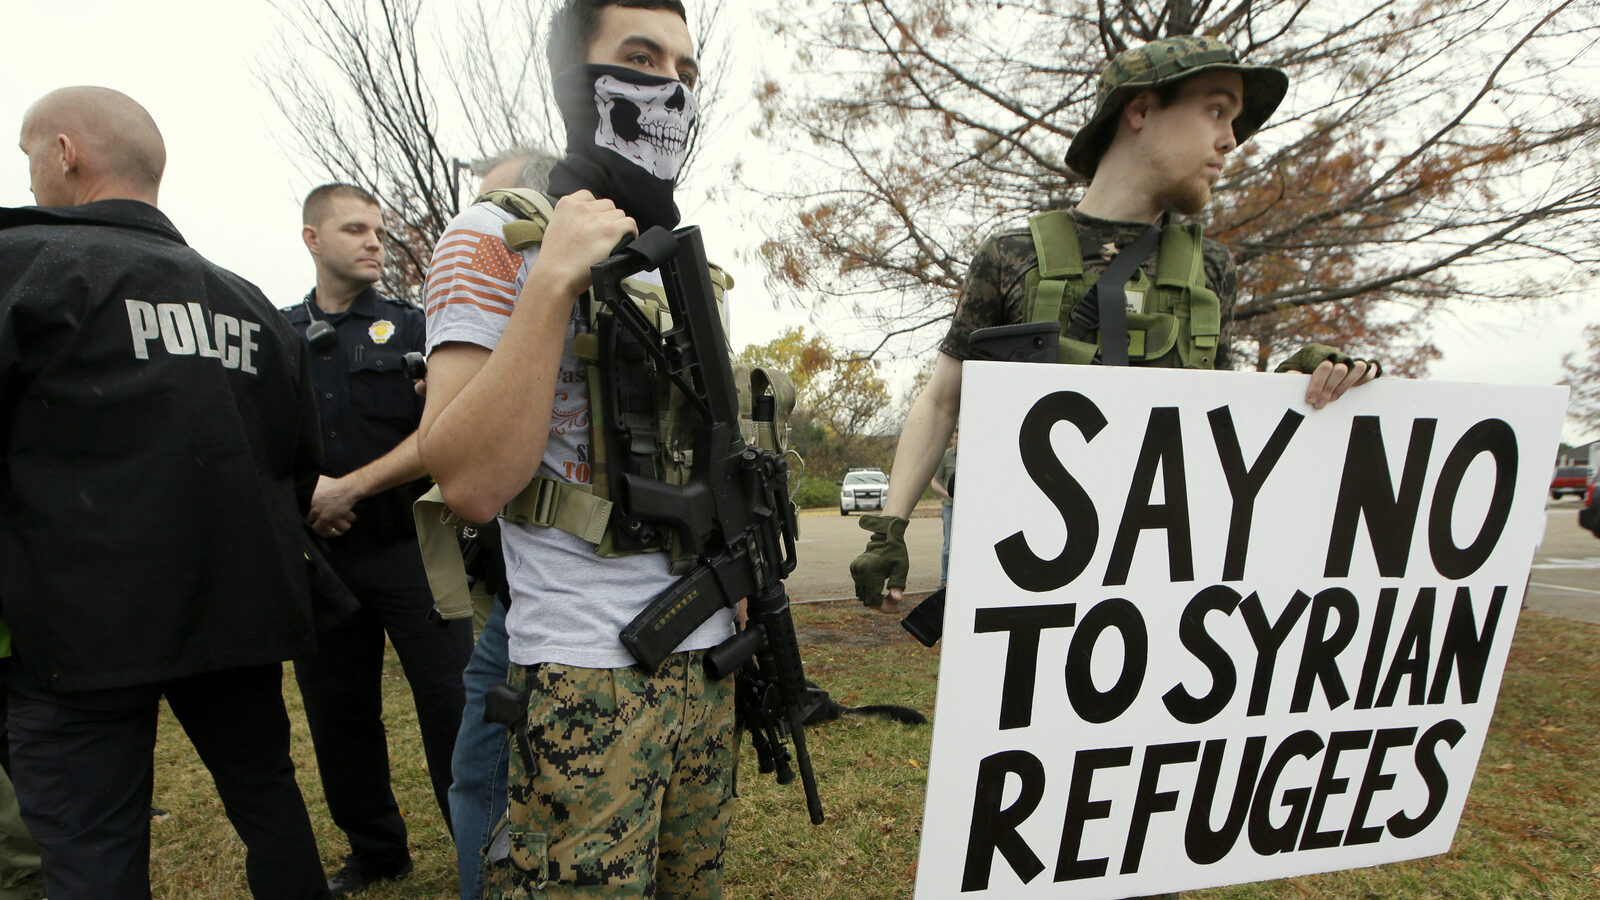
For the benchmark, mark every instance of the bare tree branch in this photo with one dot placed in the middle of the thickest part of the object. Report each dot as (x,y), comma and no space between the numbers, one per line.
(357,90)
(1431,152)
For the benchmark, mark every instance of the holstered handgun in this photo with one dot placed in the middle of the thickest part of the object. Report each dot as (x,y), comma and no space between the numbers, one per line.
(504,706)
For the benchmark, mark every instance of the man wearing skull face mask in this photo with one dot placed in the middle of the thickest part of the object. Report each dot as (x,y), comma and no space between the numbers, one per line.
(621,787)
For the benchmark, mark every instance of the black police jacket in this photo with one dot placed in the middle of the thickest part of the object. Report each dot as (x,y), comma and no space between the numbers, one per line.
(160,447)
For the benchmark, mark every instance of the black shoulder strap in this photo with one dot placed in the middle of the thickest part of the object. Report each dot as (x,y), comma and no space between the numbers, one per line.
(1104,305)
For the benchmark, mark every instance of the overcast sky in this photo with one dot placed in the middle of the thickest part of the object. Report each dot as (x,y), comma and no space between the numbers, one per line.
(230,186)
(233,192)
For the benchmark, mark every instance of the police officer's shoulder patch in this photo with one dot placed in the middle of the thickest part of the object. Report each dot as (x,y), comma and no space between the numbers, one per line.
(381,331)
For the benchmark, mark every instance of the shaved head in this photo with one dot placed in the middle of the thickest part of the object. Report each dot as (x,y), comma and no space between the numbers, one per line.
(92,143)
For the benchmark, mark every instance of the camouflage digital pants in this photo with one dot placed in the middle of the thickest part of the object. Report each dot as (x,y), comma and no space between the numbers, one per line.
(629,796)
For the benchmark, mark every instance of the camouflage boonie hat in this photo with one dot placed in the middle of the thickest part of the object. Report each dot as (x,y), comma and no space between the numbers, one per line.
(1167,60)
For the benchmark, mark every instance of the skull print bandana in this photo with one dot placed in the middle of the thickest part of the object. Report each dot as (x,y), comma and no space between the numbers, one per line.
(627,137)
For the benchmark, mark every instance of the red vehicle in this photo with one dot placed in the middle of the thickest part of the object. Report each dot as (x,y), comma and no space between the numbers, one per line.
(1586,516)
(1569,480)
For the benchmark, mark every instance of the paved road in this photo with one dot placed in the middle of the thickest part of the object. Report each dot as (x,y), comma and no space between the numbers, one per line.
(1565,580)
(828,541)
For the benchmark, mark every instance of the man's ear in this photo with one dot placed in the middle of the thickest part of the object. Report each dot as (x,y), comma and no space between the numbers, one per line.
(66,153)
(308,233)
(1137,110)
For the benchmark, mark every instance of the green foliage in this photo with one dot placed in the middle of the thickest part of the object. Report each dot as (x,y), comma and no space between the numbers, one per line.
(841,403)
(814,491)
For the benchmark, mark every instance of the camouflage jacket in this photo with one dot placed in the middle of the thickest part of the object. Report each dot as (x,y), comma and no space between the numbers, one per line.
(995,292)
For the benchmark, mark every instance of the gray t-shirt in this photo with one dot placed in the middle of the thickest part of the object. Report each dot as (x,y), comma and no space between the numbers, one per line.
(567,604)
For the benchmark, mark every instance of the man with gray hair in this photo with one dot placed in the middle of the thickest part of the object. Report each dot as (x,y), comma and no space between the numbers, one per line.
(519,167)
(160,448)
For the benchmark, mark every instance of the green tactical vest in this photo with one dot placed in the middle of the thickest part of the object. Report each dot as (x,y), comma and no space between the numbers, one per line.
(584,510)
(1181,321)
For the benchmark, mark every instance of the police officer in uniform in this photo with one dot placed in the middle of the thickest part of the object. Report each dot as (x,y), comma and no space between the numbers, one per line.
(357,339)
(160,450)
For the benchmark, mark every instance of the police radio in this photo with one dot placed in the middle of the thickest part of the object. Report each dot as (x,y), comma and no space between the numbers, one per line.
(320,335)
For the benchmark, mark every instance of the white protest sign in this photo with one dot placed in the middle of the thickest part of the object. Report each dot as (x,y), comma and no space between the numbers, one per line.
(1198,633)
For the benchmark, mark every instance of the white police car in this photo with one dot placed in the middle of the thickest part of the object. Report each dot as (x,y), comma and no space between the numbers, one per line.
(862,489)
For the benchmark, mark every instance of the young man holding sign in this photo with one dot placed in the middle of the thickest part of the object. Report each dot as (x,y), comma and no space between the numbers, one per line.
(1168,114)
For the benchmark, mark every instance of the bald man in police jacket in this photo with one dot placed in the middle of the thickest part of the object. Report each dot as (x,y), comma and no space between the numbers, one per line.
(159,448)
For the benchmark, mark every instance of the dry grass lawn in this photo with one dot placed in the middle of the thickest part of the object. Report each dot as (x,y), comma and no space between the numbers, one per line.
(1531,828)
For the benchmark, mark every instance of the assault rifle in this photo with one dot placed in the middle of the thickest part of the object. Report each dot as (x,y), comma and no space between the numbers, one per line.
(733,511)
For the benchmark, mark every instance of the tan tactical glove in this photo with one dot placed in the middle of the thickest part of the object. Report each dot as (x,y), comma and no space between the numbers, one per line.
(885,562)
(1311,355)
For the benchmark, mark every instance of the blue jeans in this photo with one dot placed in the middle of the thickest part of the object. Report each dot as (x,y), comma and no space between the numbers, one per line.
(478,791)
(944,560)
